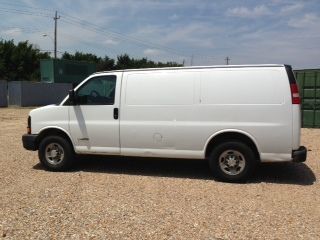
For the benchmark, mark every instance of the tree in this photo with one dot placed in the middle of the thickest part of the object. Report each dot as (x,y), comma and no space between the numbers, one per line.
(125,62)
(79,56)
(103,64)
(20,62)
(107,64)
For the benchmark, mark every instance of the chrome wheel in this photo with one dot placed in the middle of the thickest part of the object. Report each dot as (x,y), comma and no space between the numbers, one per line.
(232,162)
(54,153)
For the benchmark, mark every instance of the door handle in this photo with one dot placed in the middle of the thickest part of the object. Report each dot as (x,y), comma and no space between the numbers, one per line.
(115,113)
(83,139)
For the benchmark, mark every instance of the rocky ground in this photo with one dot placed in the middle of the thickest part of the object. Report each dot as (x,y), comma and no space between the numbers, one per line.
(134,198)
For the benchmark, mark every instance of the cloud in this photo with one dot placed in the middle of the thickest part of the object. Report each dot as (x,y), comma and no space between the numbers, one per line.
(308,20)
(30,3)
(244,12)
(111,42)
(12,32)
(289,9)
(194,34)
(174,17)
(152,52)
(285,31)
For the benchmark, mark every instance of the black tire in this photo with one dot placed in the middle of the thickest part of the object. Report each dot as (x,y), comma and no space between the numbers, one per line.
(56,142)
(228,150)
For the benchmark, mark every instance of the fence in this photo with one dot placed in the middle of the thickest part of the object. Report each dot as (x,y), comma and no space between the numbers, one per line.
(3,93)
(26,94)
(38,94)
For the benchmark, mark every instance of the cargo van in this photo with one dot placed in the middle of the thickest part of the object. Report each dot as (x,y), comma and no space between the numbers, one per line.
(233,116)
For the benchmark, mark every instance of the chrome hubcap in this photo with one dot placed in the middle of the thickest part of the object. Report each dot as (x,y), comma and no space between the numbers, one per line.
(232,162)
(54,153)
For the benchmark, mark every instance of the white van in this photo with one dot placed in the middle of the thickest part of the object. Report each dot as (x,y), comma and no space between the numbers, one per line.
(234,116)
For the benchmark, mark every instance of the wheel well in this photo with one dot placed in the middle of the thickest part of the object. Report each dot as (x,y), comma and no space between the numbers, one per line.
(230,136)
(53,132)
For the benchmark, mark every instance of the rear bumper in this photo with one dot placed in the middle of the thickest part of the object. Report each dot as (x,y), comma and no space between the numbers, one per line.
(29,142)
(299,155)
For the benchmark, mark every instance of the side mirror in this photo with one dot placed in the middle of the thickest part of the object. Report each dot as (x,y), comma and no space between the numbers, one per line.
(72,97)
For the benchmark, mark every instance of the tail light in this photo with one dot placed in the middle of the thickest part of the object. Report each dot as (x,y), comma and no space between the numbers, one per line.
(29,125)
(293,85)
(295,93)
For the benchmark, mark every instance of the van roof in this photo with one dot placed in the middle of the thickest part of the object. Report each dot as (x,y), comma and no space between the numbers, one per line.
(194,67)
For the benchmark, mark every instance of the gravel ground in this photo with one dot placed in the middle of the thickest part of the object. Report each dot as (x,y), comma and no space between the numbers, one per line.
(134,198)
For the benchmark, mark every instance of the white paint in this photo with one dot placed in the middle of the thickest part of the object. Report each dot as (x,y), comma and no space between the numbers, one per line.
(96,123)
(176,112)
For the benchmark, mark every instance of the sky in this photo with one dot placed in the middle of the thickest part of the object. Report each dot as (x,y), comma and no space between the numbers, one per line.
(202,32)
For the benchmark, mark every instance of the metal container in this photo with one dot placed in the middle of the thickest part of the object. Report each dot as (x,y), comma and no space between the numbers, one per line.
(309,88)
(65,71)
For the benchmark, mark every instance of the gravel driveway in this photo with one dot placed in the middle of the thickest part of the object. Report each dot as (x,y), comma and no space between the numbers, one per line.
(134,198)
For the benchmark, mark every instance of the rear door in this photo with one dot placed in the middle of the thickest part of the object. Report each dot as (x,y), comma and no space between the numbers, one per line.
(94,121)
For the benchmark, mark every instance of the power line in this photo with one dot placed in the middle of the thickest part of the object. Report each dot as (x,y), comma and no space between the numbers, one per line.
(23,29)
(25,12)
(125,36)
(119,36)
(90,26)
(23,6)
(87,43)
(95,28)
(62,35)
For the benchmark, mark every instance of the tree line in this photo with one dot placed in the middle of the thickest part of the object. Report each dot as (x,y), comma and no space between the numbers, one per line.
(21,61)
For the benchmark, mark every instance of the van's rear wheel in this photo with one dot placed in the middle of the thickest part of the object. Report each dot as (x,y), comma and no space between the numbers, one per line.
(56,153)
(232,161)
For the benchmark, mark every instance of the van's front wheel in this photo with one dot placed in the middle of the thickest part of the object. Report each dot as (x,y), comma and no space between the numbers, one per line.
(232,161)
(56,153)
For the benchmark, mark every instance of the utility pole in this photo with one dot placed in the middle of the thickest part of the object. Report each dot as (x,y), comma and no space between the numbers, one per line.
(55,33)
(227,59)
(191,60)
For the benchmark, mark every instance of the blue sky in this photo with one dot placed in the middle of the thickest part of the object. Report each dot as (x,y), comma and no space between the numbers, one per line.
(274,31)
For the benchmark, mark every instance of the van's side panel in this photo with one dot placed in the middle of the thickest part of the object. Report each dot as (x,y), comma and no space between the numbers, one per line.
(158,114)
(254,100)
(175,113)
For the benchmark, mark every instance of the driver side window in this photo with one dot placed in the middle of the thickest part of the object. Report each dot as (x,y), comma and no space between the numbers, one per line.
(98,91)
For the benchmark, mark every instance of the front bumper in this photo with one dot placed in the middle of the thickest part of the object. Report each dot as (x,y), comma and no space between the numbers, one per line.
(299,155)
(30,142)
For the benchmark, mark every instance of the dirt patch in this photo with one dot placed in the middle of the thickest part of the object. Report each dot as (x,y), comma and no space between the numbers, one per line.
(135,198)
